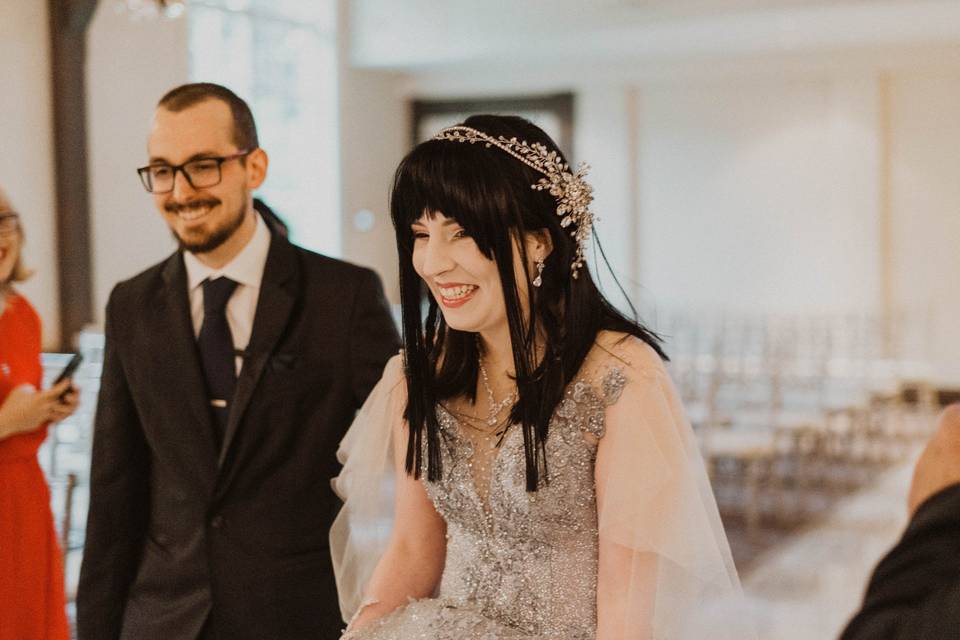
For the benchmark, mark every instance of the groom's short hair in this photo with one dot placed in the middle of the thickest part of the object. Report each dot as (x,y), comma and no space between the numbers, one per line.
(187,95)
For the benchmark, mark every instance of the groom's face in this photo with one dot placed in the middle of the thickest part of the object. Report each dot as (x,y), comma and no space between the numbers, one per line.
(203,217)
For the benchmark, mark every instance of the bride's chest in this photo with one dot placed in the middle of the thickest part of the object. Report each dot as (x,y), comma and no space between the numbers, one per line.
(483,486)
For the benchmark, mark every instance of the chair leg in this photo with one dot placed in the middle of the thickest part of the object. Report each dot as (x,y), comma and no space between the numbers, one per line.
(67,514)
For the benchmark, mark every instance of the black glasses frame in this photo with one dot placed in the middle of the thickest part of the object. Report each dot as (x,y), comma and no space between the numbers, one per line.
(144,172)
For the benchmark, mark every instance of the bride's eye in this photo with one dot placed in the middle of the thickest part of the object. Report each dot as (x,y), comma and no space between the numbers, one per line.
(417,234)
(460,233)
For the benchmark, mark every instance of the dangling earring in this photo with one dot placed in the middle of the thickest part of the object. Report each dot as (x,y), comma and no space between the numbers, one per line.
(539,279)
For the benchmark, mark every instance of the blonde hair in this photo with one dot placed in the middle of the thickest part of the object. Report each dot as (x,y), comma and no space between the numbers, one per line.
(20,271)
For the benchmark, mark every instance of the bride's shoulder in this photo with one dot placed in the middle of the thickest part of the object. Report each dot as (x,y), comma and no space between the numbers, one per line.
(618,360)
(624,350)
(393,372)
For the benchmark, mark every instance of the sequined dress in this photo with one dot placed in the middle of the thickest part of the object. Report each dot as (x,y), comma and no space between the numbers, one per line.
(519,565)
(623,542)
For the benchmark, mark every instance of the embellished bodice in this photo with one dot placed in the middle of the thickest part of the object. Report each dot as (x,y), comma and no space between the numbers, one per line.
(526,559)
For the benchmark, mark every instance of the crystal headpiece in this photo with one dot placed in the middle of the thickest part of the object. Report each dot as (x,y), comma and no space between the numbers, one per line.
(572,192)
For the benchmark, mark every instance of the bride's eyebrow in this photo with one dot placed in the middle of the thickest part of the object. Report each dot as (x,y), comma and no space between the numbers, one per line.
(449,222)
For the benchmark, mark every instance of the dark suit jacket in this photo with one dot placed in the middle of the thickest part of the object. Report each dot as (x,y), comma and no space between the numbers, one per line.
(915,590)
(179,530)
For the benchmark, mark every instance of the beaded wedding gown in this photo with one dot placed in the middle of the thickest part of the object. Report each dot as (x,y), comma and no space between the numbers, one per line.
(624,533)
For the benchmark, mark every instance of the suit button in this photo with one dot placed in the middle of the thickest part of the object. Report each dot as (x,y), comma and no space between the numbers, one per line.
(216,522)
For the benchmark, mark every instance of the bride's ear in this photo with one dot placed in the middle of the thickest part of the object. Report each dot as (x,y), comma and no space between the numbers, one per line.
(539,244)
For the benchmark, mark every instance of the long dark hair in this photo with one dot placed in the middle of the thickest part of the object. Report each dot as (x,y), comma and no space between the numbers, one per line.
(488,193)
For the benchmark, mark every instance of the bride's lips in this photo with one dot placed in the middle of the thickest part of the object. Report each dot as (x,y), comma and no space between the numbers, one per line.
(455,294)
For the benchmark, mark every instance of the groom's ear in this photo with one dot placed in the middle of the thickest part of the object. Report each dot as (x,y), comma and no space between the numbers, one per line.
(256,166)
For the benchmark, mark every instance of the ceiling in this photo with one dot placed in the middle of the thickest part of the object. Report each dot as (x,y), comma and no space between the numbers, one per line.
(414,34)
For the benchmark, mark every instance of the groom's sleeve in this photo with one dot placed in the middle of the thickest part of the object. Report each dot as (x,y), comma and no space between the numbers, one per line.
(915,590)
(119,494)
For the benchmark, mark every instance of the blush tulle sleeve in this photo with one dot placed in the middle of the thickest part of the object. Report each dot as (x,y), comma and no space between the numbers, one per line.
(666,571)
(360,533)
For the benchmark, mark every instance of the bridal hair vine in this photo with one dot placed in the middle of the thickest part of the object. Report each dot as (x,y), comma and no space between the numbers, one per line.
(572,192)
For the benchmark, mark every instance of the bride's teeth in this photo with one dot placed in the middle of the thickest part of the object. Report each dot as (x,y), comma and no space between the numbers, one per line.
(454,293)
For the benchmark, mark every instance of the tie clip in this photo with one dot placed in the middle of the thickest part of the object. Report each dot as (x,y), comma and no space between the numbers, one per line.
(219,404)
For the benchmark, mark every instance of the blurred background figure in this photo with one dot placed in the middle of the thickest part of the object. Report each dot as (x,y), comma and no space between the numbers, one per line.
(32,605)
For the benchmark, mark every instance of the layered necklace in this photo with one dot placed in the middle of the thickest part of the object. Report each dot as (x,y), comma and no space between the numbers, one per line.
(494,408)
(492,428)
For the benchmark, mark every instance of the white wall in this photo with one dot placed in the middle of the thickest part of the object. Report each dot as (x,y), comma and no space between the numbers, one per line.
(130,65)
(606,137)
(26,148)
(925,201)
(374,133)
(373,139)
(757,197)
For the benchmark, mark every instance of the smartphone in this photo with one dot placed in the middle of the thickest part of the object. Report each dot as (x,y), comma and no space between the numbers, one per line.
(70,369)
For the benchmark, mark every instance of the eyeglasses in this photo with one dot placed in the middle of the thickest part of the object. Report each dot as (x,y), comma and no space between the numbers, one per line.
(200,173)
(9,223)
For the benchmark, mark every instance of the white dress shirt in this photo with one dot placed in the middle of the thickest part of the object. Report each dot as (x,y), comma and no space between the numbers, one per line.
(246,269)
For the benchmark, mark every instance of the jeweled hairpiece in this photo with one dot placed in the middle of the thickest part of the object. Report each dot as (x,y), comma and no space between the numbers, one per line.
(572,192)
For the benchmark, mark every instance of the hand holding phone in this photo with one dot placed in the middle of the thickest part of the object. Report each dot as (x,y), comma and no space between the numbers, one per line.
(68,372)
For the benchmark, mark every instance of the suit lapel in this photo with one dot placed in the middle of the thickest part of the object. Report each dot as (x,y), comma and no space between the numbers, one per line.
(278,294)
(178,350)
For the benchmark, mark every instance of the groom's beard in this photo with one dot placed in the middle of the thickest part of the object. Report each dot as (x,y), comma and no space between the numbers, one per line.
(215,237)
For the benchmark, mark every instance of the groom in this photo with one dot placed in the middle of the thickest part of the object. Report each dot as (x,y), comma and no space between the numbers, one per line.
(232,370)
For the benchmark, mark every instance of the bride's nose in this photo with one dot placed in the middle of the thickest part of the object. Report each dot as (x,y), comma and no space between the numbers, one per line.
(437,258)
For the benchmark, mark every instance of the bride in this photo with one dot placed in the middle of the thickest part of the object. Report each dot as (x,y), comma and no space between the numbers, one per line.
(523,470)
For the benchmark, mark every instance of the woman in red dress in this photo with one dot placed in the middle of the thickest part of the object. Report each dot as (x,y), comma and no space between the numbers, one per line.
(32,605)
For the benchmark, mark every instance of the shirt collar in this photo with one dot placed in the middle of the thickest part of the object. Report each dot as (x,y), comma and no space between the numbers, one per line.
(246,268)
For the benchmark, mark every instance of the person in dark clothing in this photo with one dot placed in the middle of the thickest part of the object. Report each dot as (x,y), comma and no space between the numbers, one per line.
(231,372)
(914,593)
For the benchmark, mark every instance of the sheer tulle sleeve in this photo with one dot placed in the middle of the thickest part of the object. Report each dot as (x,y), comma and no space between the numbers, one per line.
(360,533)
(666,572)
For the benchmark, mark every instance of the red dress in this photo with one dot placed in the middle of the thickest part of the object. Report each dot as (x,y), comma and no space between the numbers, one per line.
(32,603)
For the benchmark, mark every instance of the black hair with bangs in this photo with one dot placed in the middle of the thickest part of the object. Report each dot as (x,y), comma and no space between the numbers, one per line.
(488,192)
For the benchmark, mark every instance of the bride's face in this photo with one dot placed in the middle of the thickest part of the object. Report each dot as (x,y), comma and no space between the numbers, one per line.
(465,283)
